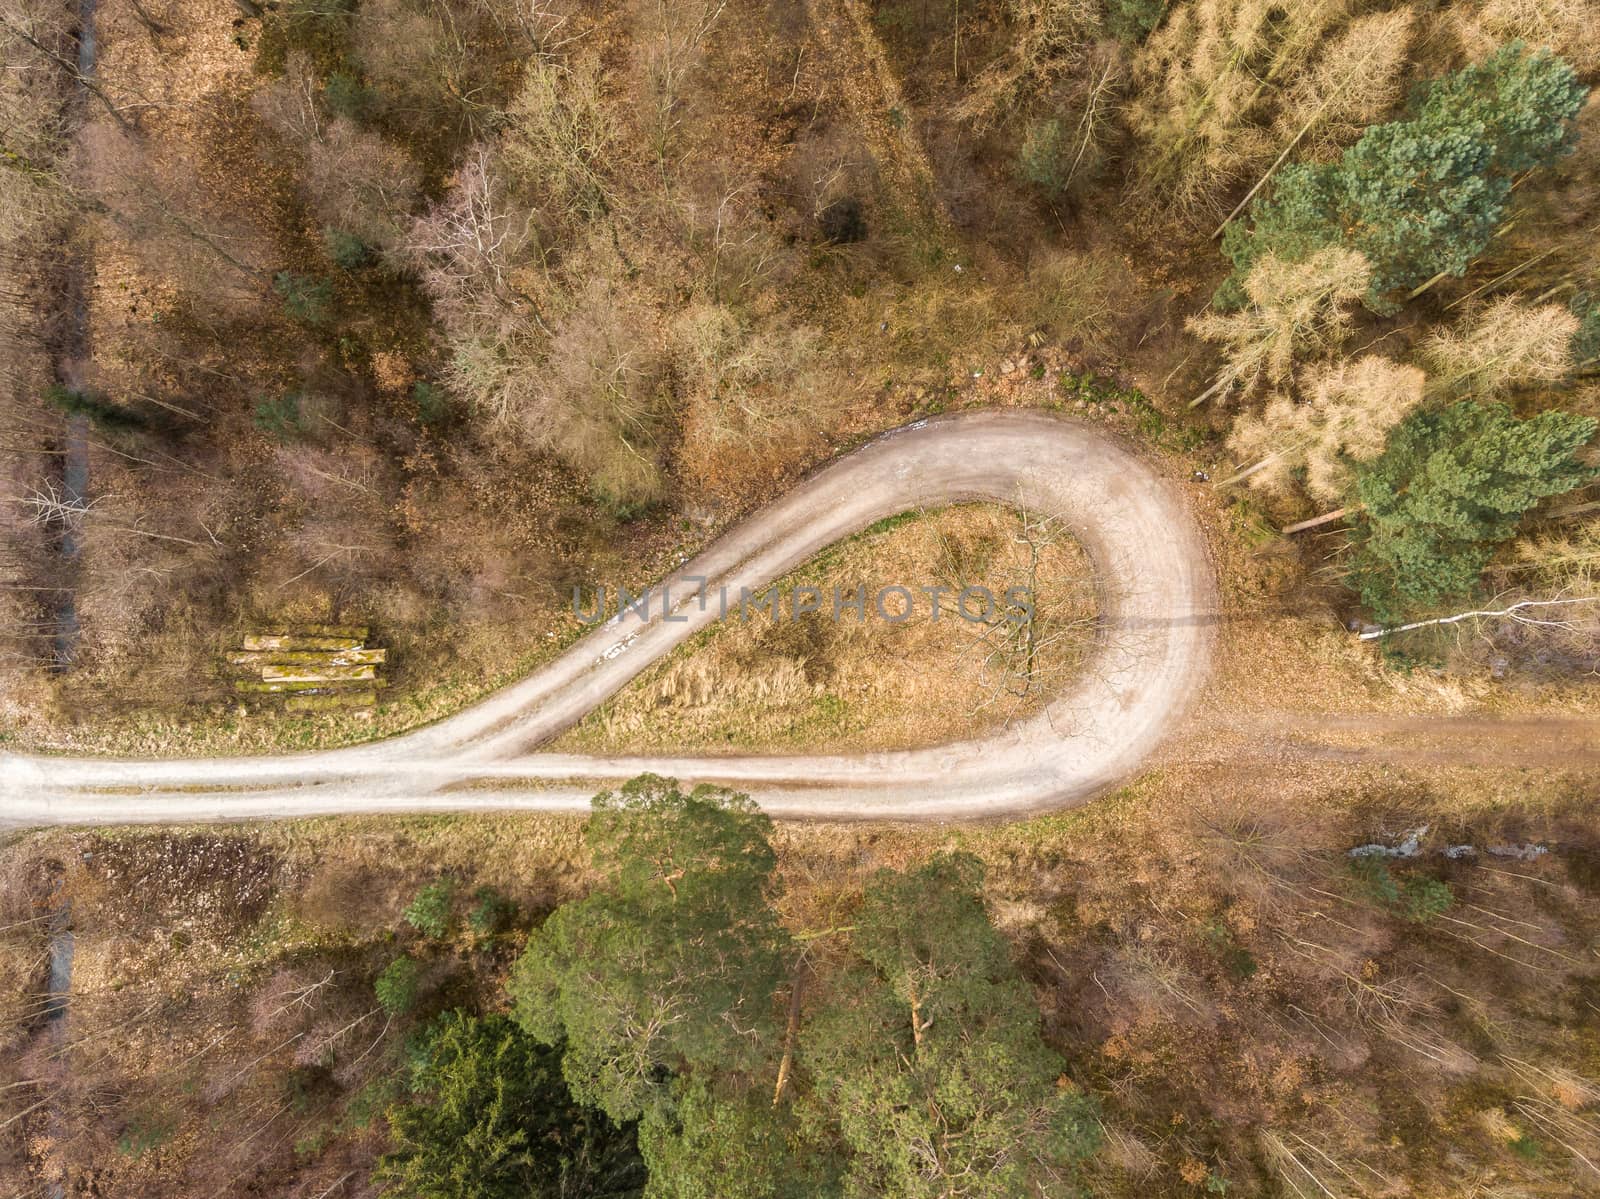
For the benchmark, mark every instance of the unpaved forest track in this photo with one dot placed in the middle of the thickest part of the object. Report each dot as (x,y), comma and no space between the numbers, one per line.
(71,358)
(1157,612)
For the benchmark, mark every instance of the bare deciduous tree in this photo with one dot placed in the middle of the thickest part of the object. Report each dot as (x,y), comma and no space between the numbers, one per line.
(673,34)
(600,394)
(361,184)
(559,137)
(1508,344)
(1290,309)
(469,248)
(749,393)
(1346,417)
(1050,40)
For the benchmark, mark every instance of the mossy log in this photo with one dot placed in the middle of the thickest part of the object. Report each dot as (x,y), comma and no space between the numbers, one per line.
(283,687)
(338,657)
(316,674)
(274,642)
(356,631)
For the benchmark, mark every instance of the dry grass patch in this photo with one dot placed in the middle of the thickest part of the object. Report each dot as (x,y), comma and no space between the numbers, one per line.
(818,682)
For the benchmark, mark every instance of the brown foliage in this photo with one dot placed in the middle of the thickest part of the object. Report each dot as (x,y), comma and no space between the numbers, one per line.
(1507,345)
(212,248)
(599,399)
(749,395)
(1291,310)
(1568,27)
(1348,410)
(1224,86)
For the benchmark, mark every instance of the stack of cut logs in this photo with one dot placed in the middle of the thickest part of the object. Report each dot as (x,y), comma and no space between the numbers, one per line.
(314,667)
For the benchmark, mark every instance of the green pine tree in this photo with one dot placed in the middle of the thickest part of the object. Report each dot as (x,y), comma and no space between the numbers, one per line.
(929,1056)
(432,911)
(1524,106)
(673,961)
(489,1117)
(396,988)
(1418,198)
(719,1138)
(1422,196)
(1449,487)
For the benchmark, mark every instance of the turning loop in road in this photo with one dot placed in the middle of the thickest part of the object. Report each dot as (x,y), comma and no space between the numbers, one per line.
(1157,609)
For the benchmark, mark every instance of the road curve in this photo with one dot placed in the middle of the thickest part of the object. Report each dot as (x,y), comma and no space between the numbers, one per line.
(1157,612)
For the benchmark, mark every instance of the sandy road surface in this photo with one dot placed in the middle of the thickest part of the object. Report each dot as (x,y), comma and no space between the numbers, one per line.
(1157,606)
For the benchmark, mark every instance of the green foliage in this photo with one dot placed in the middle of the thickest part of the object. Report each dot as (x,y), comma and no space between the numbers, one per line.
(1448,488)
(146,1132)
(1236,959)
(1418,200)
(100,410)
(347,250)
(718,1140)
(368,1103)
(675,948)
(396,987)
(346,96)
(919,1069)
(890,523)
(307,1087)
(1524,104)
(491,914)
(489,1118)
(930,1058)
(1108,396)
(318,28)
(431,912)
(620,508)
(1422,196)
(305,299)
(1416,898)
(280,417)
(1043,158)
(1424,898)
(432,402)
(1298,218)
(1586,341)
(1132,20)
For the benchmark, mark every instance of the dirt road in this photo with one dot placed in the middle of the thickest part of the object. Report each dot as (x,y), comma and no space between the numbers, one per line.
(1157,606)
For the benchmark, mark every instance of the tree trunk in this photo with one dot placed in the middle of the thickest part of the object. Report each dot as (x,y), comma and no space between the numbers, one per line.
(1496,613)
(1304,129)
(1327,518)
(1224,381)
(796,990)
(149,22)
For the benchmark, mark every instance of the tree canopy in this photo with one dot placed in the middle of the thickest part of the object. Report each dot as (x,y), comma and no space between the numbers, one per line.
(1449,487)
(726,1138)
(1421,196)
(1349,407)
(930,1056)
(673,961)
(488,1117)
(915,1062)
